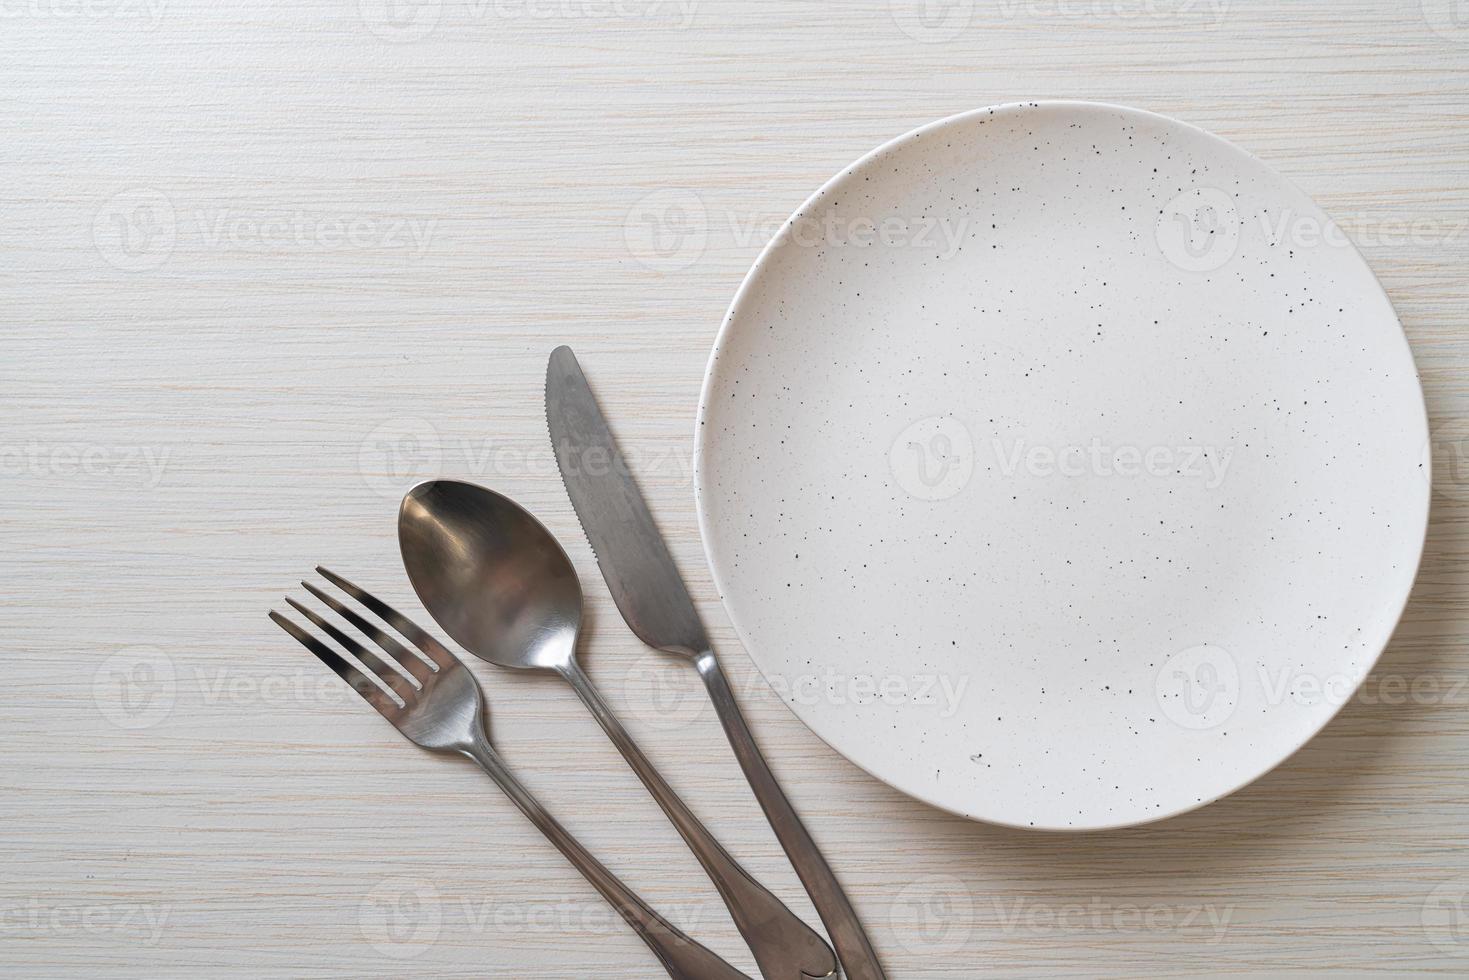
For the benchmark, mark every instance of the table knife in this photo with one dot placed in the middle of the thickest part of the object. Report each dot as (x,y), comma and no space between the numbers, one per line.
(651,595)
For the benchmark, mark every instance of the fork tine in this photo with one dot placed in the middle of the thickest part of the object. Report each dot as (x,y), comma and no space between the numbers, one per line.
(417,667)
(359,681)
(431,647)
(380,668)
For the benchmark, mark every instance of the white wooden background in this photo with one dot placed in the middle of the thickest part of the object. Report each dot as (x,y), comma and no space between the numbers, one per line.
(266,264)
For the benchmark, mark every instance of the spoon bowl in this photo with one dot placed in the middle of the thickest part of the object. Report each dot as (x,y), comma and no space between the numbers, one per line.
(491,575)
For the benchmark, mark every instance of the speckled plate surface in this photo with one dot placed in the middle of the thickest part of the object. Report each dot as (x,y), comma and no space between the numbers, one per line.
(1062,465)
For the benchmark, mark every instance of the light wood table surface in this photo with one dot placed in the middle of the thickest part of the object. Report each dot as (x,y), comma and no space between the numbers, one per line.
(266,264)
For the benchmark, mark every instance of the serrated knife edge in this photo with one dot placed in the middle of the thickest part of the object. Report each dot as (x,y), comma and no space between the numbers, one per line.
(629,549)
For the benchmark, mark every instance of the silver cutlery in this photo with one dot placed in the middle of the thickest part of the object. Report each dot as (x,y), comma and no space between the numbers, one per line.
(498,582)
(651,594)
(434,701)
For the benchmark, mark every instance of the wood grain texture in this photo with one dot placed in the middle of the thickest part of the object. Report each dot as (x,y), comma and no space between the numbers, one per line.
(267,264)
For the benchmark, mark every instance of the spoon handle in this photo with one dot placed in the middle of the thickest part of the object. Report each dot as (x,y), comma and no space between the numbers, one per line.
(683,958)
(859,959)
(785,948)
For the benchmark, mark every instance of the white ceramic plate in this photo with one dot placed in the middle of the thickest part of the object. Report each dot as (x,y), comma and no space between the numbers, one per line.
(1062,465)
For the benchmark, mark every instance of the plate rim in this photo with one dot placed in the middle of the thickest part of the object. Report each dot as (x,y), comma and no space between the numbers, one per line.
(1398,606)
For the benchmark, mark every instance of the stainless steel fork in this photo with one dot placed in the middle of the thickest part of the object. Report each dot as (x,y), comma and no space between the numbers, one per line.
(435,701)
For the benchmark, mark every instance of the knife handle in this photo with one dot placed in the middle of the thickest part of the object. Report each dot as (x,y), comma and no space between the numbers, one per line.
(854,949)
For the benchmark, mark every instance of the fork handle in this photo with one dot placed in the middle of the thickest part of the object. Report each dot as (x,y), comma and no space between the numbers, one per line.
(683,958)
(854,949)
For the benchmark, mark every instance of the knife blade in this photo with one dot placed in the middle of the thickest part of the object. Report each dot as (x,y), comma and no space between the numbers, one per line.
(630,551)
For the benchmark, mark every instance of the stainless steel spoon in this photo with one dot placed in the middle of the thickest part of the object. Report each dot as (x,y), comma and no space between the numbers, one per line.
(498,582)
